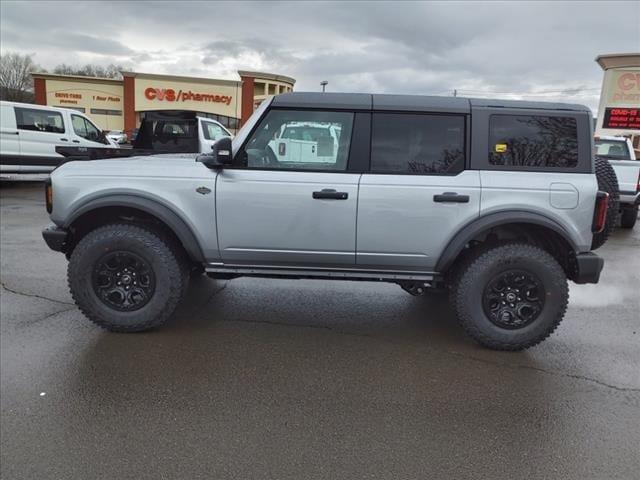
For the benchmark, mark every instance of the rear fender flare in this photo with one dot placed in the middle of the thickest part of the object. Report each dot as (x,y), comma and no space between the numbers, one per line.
(487,222)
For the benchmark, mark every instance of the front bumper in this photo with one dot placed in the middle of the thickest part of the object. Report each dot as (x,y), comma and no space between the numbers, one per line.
(588,268)
(55,237)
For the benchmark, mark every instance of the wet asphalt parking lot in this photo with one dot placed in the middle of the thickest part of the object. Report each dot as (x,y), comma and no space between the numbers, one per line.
(262,379)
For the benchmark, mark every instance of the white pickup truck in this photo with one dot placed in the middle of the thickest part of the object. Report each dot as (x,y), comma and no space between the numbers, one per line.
(307,142)
(619,152)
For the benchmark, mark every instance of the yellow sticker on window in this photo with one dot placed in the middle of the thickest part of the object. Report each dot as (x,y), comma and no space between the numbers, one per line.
(501,147)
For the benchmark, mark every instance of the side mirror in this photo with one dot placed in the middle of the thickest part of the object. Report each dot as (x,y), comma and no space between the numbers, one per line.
(220,155)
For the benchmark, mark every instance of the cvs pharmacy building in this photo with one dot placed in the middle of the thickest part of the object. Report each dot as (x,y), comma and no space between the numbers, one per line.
(123,104)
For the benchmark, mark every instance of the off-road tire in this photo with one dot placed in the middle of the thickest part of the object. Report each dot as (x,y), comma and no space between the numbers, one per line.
(607,182)
(629,217)
(167,265)
(469,286)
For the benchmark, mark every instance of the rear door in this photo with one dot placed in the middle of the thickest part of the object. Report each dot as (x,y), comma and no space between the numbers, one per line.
(289,212)
(418,193)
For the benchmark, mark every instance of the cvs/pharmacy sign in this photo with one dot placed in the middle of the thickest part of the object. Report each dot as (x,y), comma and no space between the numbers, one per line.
(170,95)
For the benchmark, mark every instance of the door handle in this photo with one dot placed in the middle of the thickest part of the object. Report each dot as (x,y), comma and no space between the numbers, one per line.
(331,194)
(76,141)
(451,197)
(64,139)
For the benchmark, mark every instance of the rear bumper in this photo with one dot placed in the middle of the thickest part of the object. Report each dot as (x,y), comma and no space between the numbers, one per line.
(589,265)
(629,198)
(55,237)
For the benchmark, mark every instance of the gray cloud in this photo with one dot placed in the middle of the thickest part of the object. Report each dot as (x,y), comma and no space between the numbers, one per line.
(536,50)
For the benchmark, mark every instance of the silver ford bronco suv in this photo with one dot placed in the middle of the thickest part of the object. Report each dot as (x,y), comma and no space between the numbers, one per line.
(495,201)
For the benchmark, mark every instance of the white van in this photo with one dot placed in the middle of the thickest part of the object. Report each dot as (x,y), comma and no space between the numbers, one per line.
(29,134)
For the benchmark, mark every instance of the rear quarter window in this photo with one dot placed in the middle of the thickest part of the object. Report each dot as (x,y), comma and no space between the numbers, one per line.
(533,141)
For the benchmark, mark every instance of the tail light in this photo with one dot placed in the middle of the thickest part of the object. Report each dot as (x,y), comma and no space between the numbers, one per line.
(600,213)
(48,194)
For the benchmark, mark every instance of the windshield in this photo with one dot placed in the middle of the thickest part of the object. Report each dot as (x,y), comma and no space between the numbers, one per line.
(612,149)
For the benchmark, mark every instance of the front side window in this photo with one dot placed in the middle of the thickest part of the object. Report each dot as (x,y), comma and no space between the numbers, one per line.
(213,131)
(299,140)
(533,141)
(85,129)
(403,143)
(39,120)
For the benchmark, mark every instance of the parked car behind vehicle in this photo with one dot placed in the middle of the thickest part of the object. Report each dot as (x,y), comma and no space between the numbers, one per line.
(29,134)
(118,136)
(179,132)
(618,151)
(496,201)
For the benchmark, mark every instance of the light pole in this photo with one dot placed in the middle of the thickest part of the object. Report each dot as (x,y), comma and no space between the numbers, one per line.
(324,83)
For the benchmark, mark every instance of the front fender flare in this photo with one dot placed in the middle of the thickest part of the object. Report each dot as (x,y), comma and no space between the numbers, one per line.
(479,225)
(152,207)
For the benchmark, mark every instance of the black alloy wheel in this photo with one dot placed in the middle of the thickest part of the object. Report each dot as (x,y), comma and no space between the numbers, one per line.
(513,299)
(123,281)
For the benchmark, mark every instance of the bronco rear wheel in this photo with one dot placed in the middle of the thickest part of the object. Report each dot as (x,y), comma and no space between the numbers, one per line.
(126,278)
(510,297)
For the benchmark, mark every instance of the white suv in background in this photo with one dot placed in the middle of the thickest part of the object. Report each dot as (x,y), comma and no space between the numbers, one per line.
(30,133)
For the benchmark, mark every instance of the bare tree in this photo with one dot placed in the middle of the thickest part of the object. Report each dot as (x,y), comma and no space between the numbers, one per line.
(16,83)
(89,70)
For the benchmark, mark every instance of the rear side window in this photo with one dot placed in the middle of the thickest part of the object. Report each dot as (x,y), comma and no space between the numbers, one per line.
(39,120)
(417,144)
(533,141)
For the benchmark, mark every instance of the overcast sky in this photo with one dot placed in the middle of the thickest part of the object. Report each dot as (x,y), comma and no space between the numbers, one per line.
(533,50)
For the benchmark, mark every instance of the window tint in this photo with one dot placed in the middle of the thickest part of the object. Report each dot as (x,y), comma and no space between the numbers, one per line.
(417,144)
(39,120)
(295,140)
(213,131)
(533,141)
(175,128)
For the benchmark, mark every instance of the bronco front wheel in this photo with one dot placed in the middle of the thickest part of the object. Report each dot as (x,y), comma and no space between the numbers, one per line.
(125,278)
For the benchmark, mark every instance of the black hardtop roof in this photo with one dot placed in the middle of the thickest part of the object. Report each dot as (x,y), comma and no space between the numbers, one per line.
(422,103)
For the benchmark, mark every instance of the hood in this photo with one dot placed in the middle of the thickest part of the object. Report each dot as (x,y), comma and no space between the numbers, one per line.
(161,165)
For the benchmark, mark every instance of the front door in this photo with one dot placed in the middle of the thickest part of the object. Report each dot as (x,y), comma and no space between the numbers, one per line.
(292,210)
(86,134)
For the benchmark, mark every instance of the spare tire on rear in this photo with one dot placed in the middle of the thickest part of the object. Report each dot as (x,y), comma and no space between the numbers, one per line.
(607,182)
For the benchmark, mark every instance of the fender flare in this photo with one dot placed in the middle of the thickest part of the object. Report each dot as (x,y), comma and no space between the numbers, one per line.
(477,226)
(152,207)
